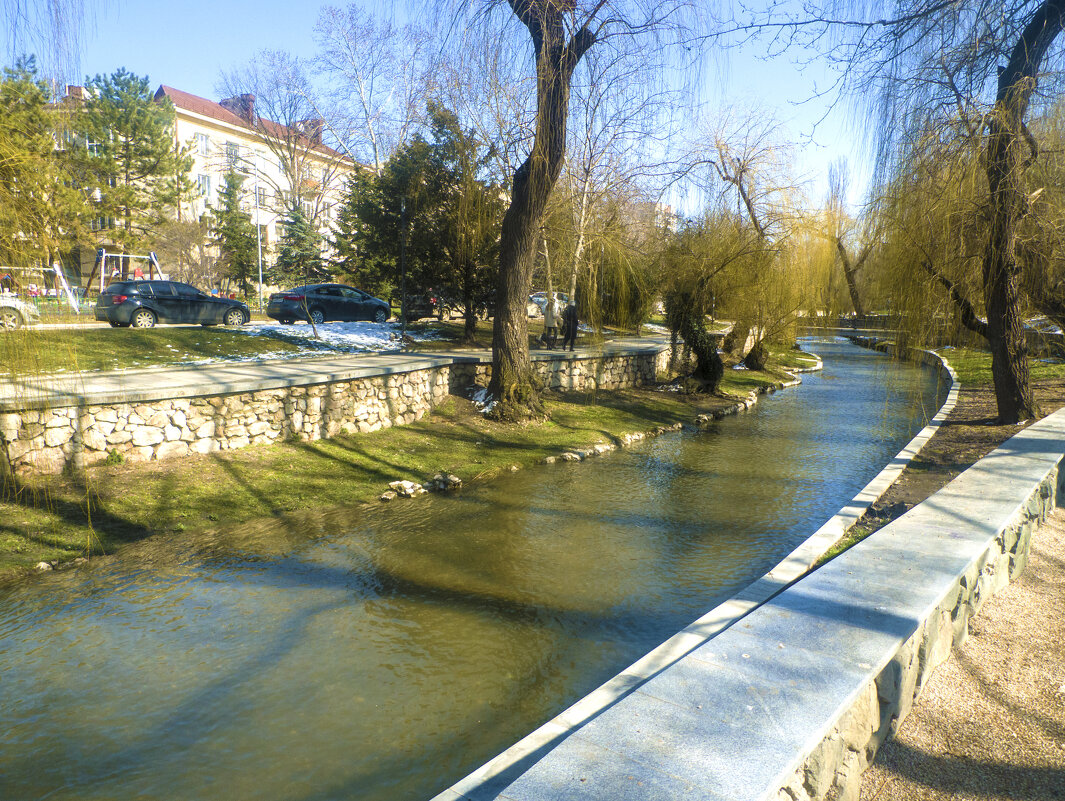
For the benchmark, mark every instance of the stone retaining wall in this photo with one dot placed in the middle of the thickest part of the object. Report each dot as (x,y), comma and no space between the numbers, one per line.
(49,440)
(833,769)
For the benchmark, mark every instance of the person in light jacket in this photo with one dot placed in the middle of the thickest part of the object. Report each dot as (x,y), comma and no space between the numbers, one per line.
(550,335)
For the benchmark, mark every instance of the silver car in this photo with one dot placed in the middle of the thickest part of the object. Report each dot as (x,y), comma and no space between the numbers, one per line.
(15,313)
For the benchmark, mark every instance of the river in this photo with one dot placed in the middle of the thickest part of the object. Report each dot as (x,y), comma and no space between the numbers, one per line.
(383,653)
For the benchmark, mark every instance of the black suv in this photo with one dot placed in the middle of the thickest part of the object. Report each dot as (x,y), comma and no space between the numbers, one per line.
(323,302)
(142,304)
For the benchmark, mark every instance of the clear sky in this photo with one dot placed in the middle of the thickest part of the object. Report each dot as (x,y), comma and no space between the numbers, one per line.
(187,44)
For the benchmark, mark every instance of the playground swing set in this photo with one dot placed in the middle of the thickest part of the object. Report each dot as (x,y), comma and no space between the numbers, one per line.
(124,267)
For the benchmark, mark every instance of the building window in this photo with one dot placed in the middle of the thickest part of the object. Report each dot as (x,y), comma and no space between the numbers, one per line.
(203,144)
(203,185)
(261,193)
(264,235)
(325,176)
(232,155)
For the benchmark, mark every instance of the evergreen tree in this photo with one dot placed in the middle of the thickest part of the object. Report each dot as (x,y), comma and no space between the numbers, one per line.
(300,258)
(432,193)
(235,235)
(358,259)
(41,212)
(127,150)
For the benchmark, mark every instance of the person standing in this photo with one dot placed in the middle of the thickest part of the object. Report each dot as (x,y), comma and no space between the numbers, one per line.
(550,336)
(569,325)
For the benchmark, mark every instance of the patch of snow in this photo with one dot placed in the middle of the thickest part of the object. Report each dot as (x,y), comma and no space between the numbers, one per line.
(481,399)
(655,328)
(351,337)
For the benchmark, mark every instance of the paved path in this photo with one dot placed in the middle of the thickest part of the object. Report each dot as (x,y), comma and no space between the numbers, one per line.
(990,723)
(155,383)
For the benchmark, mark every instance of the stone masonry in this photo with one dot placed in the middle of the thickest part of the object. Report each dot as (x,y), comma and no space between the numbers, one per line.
(49,440)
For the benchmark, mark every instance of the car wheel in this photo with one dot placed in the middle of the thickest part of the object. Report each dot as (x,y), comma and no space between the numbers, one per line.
(143,318)
(10,318)
(381,316)
(234,317)
(287,322)
(114,324)
(317,316)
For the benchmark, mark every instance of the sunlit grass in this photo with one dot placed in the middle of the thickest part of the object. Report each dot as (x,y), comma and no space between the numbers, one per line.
(36,351)
(131,501)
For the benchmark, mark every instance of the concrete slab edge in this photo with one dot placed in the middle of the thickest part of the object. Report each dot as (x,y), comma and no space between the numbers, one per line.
(713,622)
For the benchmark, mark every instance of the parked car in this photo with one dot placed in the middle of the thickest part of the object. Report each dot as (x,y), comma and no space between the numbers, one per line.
(142,304)
(421,304)
(15,313)
(324,302)
(538,300)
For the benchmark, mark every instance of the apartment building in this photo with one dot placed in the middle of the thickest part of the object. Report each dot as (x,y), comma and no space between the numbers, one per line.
(281,164)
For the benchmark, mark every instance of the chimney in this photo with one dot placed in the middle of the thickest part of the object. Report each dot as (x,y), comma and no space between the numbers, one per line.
(241,105)
(313,129)
(76,92)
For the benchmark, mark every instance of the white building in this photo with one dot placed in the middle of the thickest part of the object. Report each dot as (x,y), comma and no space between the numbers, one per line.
(229,136)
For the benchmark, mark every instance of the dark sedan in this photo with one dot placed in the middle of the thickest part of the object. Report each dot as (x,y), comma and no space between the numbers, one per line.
(142,304)
(324,302)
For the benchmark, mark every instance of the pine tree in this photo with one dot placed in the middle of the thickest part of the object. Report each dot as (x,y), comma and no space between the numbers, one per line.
(235,235)
(41,212)
(127,149)
(300,258)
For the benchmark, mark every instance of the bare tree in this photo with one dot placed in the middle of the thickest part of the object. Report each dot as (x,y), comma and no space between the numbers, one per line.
(273,96)
(561,32)
(379,78)
(843,228)
(50,28)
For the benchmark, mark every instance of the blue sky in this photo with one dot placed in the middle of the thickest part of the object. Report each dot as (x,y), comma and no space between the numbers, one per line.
(188,44)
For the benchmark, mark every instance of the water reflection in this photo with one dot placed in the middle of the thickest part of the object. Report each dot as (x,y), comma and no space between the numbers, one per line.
(381,653)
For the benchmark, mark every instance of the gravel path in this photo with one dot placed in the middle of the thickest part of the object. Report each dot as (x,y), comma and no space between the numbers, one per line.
(990,724)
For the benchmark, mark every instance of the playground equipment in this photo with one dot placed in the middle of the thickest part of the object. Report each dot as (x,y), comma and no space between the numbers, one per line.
(119,267)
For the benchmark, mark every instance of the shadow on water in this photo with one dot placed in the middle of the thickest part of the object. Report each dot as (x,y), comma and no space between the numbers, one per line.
(383,652)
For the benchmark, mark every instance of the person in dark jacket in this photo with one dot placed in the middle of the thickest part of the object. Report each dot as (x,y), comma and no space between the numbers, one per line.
(569,326)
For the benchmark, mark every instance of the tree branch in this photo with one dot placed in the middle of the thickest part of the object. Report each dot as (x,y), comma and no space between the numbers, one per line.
(968,313)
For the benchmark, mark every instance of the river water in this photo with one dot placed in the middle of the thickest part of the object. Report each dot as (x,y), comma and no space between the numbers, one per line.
(382,654)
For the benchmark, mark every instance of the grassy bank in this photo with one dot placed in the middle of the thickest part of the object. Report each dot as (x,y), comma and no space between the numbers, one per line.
(34,351)
(52,520)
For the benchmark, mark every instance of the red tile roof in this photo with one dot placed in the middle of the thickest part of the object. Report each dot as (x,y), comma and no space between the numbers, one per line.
(209,108)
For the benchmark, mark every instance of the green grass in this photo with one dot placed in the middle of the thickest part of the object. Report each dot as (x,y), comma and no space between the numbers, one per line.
(32,351)
(974,366)
(51,520)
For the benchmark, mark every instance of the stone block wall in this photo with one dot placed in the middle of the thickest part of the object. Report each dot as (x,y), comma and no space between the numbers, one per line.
(833,770)
(49,440)
(576,374)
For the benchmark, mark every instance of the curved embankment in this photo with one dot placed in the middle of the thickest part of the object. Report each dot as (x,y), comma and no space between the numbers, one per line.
(641,756)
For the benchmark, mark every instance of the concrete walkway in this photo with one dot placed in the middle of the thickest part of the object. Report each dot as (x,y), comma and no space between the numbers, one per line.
(157,383)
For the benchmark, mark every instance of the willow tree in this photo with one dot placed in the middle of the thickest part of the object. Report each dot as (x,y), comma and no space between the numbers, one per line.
(918,63)
(561,33)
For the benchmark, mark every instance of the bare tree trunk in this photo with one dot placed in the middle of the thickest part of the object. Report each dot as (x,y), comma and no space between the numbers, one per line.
(850,272)
(578,250)
(1009,205)
(512,377)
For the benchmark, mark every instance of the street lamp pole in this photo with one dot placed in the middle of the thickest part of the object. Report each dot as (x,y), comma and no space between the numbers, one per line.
(403,265)
(258,232)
